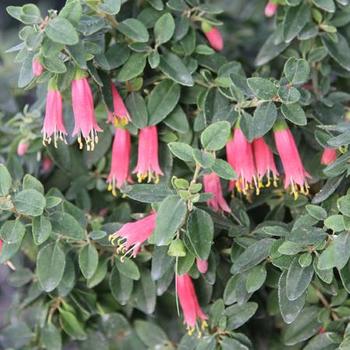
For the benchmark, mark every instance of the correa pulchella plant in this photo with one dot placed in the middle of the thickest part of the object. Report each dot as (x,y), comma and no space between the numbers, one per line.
(155,197)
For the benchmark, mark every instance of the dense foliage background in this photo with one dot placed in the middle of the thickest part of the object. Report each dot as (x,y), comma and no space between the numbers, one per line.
(279,272)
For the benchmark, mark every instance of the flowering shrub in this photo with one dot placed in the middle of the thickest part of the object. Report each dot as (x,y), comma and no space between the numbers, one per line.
(181,178)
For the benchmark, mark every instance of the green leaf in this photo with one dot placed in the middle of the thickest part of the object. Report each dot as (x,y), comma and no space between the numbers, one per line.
(147,193)
(264,118)
(223,169)
(172,66)
(216,135)
(50,266)
(304,327)
(111,7)
(30,14)
(162,100)
(12,231)
(30,182)
(72,11)
(177,120)
(200,233)
(128,268)
(88,260)
(294,113)
(61,31)
(255,278)
(120,286)
(297,71)
(66,225)
(150,334)
(164,28)
(238,315)
(343,205)
(336,254)
(133,67)
(41,229)
(262,88)
(253,255)
(29,202)
(326,5)
(289,94)
(51,337)
(54,64)
(71,325)
(206,160)
(289,309)
(134,29)
(295,20)
(137,108)
(298,279)
(5,181)
(316,211)
(181,150)
(170,217)
(339,50)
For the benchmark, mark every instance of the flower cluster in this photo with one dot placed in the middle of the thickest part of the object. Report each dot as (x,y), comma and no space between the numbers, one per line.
(254,161)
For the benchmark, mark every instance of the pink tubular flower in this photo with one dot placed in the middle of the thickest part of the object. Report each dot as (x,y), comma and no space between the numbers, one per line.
(329,156)
(119,173)
(295,174)
(133,234)
(53,122)
(147,162)
(46,164)
(240,156)
(84,113)
(202,265)
(120,115)
(270,9)
(212,185)
(264,162)
(22,148)
(37,67)
(213,35)
(189,302)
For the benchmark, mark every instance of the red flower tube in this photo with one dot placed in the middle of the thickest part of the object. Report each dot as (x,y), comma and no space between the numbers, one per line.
(120,115)
(213,36)
(133,234)
(119,173)
(212,185)
(53,122)
(264,162)
(189,302)
(84,113)
(295,174)
(147,161)
(240,156)
(329,156)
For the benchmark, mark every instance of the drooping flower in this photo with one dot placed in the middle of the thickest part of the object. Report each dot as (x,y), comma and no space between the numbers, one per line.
(147,162)
(240,156)
(202,265)
(37,67)
(119,173)
(329,156)
(264,162)
(295,174)
(212,185)
(84,113)
(133,234)
(270,9)
(53,127)
(22,148)
(120,115)
(213,35)
(189,302)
